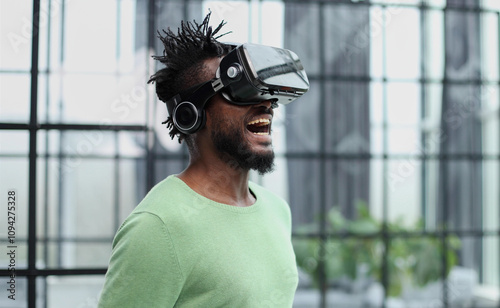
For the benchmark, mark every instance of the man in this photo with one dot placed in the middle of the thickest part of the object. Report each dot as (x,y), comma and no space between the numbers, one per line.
(207,237)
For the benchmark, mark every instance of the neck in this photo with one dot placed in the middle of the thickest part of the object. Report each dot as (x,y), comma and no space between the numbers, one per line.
(215,178)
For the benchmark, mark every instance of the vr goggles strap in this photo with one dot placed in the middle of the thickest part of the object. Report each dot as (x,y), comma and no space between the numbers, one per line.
(197,95)
(204,92)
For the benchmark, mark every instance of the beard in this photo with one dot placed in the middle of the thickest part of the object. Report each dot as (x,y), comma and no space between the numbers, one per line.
(232,145)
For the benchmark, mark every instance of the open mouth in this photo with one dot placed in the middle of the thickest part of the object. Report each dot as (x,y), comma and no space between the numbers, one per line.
(260,126)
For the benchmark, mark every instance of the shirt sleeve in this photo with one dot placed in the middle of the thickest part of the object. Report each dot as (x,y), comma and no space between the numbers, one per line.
(143,270)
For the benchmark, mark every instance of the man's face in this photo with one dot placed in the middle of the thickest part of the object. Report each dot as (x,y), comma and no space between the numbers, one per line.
(241,134)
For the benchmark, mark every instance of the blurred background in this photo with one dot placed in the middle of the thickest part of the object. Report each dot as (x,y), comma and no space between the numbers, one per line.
(390,163)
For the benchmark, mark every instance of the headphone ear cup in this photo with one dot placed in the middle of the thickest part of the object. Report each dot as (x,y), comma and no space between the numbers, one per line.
(187,118)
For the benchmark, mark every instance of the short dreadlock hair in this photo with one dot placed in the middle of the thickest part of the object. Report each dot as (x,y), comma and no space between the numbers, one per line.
(183,58)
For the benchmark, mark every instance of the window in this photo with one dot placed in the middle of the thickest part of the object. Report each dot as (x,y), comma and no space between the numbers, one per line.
(391,158)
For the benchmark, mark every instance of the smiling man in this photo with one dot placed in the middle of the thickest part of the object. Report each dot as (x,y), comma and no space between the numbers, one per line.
(208,237)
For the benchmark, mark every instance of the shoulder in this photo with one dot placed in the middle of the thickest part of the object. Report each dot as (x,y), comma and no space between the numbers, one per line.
(165,190)
(167,198)
(169,205)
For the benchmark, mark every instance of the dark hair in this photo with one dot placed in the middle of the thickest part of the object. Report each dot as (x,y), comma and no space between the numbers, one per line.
(183,57)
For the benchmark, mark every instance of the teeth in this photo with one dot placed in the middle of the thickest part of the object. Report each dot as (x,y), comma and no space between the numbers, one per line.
(262,134)
(259,121)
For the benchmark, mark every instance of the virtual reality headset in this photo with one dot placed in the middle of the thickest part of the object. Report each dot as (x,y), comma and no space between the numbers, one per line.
(247,75)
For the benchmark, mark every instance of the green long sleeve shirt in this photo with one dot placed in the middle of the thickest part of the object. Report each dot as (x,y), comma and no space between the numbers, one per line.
(180,249)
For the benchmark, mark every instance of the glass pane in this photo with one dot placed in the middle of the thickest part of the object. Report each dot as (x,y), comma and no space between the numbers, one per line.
(431,194)
(434,36)
(377,140)
(51,33)
(378,181)
(403,141)
(73,291)
(21,293)
(491,4)
(403,104)
(431,122)
(460,194)
(16,254)
(14,178)
(78,254)
(48,188)
(403,25)
(377,68)
(302,117)
(131,144)
(271,23)
(91,48)
(306,27)
(347,40)
(491,255)
(347,188)
(377,118)
(491,125)
(79,212)
(403,116)
(49,142)
(304,194)
(14,142)
(47,200)
(104,99)
(15,100)
(87,199)
(404,193)
(131,189)
(489,48)
(491,222)
(346,126)
(78,144)
(15,35)
(491,196)
(126,36)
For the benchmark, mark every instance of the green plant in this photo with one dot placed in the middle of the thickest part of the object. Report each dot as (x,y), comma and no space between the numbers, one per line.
(360,242)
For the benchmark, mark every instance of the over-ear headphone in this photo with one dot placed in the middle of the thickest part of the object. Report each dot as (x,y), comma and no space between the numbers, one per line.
(188,118)
(187,108)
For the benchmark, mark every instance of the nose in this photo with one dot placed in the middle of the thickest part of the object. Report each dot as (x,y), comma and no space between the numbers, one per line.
(268,104)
